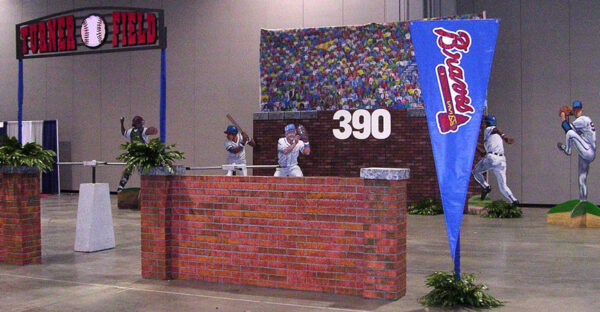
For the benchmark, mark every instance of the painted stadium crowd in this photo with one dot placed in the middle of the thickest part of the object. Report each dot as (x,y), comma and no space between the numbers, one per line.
(370,66)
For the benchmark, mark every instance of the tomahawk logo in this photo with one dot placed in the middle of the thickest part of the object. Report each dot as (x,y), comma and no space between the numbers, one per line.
(451,80)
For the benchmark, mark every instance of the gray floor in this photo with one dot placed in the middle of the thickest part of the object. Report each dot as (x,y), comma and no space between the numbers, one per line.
(527,263)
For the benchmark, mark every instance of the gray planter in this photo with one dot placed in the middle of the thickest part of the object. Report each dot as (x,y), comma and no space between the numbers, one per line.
(163,171)
(20,169)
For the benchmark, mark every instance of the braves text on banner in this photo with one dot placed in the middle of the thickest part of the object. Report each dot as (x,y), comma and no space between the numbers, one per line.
(454,59)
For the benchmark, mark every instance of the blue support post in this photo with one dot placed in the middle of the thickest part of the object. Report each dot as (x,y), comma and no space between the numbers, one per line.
(20,102)
(163,95)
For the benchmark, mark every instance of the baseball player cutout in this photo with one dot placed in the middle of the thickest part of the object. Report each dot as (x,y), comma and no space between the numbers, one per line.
(494,159)
(288,149)
(137,133)
(236,148)
(580,134)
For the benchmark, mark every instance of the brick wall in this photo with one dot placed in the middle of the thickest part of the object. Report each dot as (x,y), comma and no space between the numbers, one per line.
(408,146)
(325,234)
(20,227)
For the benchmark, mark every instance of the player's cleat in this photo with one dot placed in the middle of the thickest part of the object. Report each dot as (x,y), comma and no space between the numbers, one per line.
(485,191)
(516,203)
(563,148)
(119,189)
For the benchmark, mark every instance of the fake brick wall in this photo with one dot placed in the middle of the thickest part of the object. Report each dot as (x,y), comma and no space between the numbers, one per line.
(325,234)
(408,146)
(20,225)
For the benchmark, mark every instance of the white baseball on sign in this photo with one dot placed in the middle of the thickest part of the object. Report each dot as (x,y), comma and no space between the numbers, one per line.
(93,31)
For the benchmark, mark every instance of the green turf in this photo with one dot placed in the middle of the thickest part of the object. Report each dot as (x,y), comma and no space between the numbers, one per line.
(576,208)
(564,207)
(476,202)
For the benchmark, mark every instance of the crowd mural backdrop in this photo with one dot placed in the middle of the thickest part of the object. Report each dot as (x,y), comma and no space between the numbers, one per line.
(330,68)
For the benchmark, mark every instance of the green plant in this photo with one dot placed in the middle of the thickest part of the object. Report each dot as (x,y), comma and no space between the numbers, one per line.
(449,291)
(502,209)
(146,156)
(426,206)
(14,154)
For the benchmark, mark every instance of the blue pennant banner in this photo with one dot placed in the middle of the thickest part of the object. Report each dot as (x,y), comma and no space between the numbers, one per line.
(454,59)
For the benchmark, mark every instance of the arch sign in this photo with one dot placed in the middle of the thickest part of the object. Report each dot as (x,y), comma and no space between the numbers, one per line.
(91,30)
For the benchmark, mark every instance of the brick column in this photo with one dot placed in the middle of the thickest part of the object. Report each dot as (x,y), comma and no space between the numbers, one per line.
(156,227)
(20,225)
(385,233)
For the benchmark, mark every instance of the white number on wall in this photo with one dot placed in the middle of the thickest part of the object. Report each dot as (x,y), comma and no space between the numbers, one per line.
(344,117)
(362,124)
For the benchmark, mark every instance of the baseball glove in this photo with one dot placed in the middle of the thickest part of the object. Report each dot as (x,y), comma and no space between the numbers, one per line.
(565,109)
(303,133)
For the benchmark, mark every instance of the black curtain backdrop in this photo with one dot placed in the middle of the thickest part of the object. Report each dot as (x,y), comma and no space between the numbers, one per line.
(50,179)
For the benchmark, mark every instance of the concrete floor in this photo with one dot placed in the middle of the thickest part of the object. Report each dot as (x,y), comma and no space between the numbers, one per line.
(525,262)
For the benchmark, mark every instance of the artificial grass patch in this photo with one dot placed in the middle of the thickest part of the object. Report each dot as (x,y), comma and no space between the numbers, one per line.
(476,201)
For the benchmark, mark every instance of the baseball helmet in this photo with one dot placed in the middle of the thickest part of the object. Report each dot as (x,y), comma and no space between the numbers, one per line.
(231,129)
(290,127)
(137,120)
(577,104)
(490,120)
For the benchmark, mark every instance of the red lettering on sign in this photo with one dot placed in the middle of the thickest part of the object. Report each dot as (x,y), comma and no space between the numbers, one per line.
(24,35)
(451,77)
(129,28)
(116,17)
(33,43)
(62,41)
(43,46)
(131,35)
(51,28)
(141,34)
(71,44)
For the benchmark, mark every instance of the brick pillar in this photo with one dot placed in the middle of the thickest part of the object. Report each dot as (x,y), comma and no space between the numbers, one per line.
(156,227)
(385,235)
(20,225)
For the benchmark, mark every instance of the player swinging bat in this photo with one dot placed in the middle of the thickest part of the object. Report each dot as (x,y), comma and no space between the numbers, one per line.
(288,149)
(581,134)
(137,133)
(236,146)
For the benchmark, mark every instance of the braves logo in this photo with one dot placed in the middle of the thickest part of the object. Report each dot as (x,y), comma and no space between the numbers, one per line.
(451,80)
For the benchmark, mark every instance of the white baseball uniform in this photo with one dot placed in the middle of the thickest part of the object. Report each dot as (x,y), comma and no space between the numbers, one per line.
(494,160)
(582,135)
(233,158)
(135,132)
(289,162)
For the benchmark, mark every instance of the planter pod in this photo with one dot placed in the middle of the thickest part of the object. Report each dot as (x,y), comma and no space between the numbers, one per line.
(163,171)
(20,169)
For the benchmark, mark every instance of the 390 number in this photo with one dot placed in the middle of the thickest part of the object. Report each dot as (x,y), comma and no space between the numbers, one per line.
(361,124)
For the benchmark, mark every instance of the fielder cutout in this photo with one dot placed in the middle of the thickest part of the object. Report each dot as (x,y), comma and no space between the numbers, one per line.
(494,159)
(137,133)
(288,149)
(580,134)
(236,148)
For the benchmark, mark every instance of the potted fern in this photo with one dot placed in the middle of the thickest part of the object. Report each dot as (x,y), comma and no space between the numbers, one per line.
(154,158)
(28,158)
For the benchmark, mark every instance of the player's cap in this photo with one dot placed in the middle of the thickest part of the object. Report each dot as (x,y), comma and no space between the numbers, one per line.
(290,127)
(577,104)
(489,120)
(231,129)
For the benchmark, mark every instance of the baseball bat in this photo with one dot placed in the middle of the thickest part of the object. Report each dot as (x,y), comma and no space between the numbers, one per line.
(234,122)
